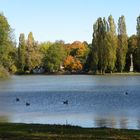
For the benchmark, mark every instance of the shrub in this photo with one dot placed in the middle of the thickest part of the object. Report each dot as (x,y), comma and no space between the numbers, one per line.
(3,72)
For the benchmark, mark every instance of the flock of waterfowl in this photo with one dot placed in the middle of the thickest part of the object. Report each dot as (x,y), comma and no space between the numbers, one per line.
(66,102)
(28,104)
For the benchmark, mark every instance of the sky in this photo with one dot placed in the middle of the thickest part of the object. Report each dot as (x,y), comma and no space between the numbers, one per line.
(67,20)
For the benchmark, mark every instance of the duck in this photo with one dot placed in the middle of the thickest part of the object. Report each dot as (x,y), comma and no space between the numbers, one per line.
(17,100)
(65,102)
(126,93)
(27,104)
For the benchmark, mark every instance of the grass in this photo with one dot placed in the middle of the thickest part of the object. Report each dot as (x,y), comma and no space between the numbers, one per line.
(10,131)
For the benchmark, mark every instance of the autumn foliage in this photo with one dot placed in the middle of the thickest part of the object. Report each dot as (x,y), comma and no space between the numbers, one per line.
(109,51)
(72,64)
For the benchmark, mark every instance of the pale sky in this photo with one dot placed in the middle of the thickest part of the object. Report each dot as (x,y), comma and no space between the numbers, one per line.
(67,20)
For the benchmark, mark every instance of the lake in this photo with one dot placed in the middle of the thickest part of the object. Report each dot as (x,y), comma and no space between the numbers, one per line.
(93,101)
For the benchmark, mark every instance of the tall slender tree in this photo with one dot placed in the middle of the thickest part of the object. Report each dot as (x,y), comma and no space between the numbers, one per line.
(29,50)
(122,44)
(111,44)
(33,54)
(22,52)
(94,50)
(138,44)
(98,47)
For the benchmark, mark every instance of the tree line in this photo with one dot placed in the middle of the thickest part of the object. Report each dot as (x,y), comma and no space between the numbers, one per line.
(109,51)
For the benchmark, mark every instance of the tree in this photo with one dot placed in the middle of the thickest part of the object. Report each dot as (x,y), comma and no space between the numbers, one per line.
(22,52)
(33,55)
(29,50)
(3,72)
(54,57)
(104,45)
(78,49)
(76,52)
(99,45)
(72,64)
(43,47)
(122,44)
(138,44)
(94,50)
(111,44)
(7,45)
(132,49)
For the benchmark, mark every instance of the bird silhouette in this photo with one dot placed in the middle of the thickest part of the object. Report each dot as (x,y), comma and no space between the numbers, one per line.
(27,104)
(65,102)
(126,93)
(17,100)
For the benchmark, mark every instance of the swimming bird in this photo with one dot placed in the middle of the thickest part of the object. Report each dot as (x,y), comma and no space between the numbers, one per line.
(65,102)
(126,93)
(27,104)
(17,99)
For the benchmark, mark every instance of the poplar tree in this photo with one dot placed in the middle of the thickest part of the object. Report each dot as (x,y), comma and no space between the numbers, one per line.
(100,45)
(138,44)
(111,44)
(33,55)
(94,50)
(22,52)
(29,50)
(122,44)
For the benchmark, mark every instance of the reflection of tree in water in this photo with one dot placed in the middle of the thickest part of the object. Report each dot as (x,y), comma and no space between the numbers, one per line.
(123,123)
(100,123)
(138,124)
(4,119)
(112,123)
(105,122)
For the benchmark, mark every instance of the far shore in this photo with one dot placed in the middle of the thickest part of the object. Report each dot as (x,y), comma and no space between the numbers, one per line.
(74,73)
(83,73)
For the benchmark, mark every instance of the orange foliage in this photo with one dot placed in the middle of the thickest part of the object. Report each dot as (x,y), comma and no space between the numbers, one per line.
(72,64)
(76,51)
(68,62)
(77,65)
(80,48)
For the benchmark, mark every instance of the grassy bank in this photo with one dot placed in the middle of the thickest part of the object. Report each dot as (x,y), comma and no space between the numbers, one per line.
(57,132)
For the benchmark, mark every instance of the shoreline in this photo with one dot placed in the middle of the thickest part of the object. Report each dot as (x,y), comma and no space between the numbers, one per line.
(16,131)
(85,73)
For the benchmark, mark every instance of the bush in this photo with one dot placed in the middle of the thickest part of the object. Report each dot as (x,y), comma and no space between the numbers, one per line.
(13,69)
(3,72)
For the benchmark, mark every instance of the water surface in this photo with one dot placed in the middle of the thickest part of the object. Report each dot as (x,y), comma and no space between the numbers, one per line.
(93,101)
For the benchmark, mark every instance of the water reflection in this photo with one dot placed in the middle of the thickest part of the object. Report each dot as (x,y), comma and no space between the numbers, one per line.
(105,122)
(138,124)
(92,101)
(123,123)
(84,120)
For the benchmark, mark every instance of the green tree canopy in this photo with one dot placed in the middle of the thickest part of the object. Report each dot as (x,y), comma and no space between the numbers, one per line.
(122,44)
(138,44)
(33,55)
(7,45)
(54,57)
(22,52)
